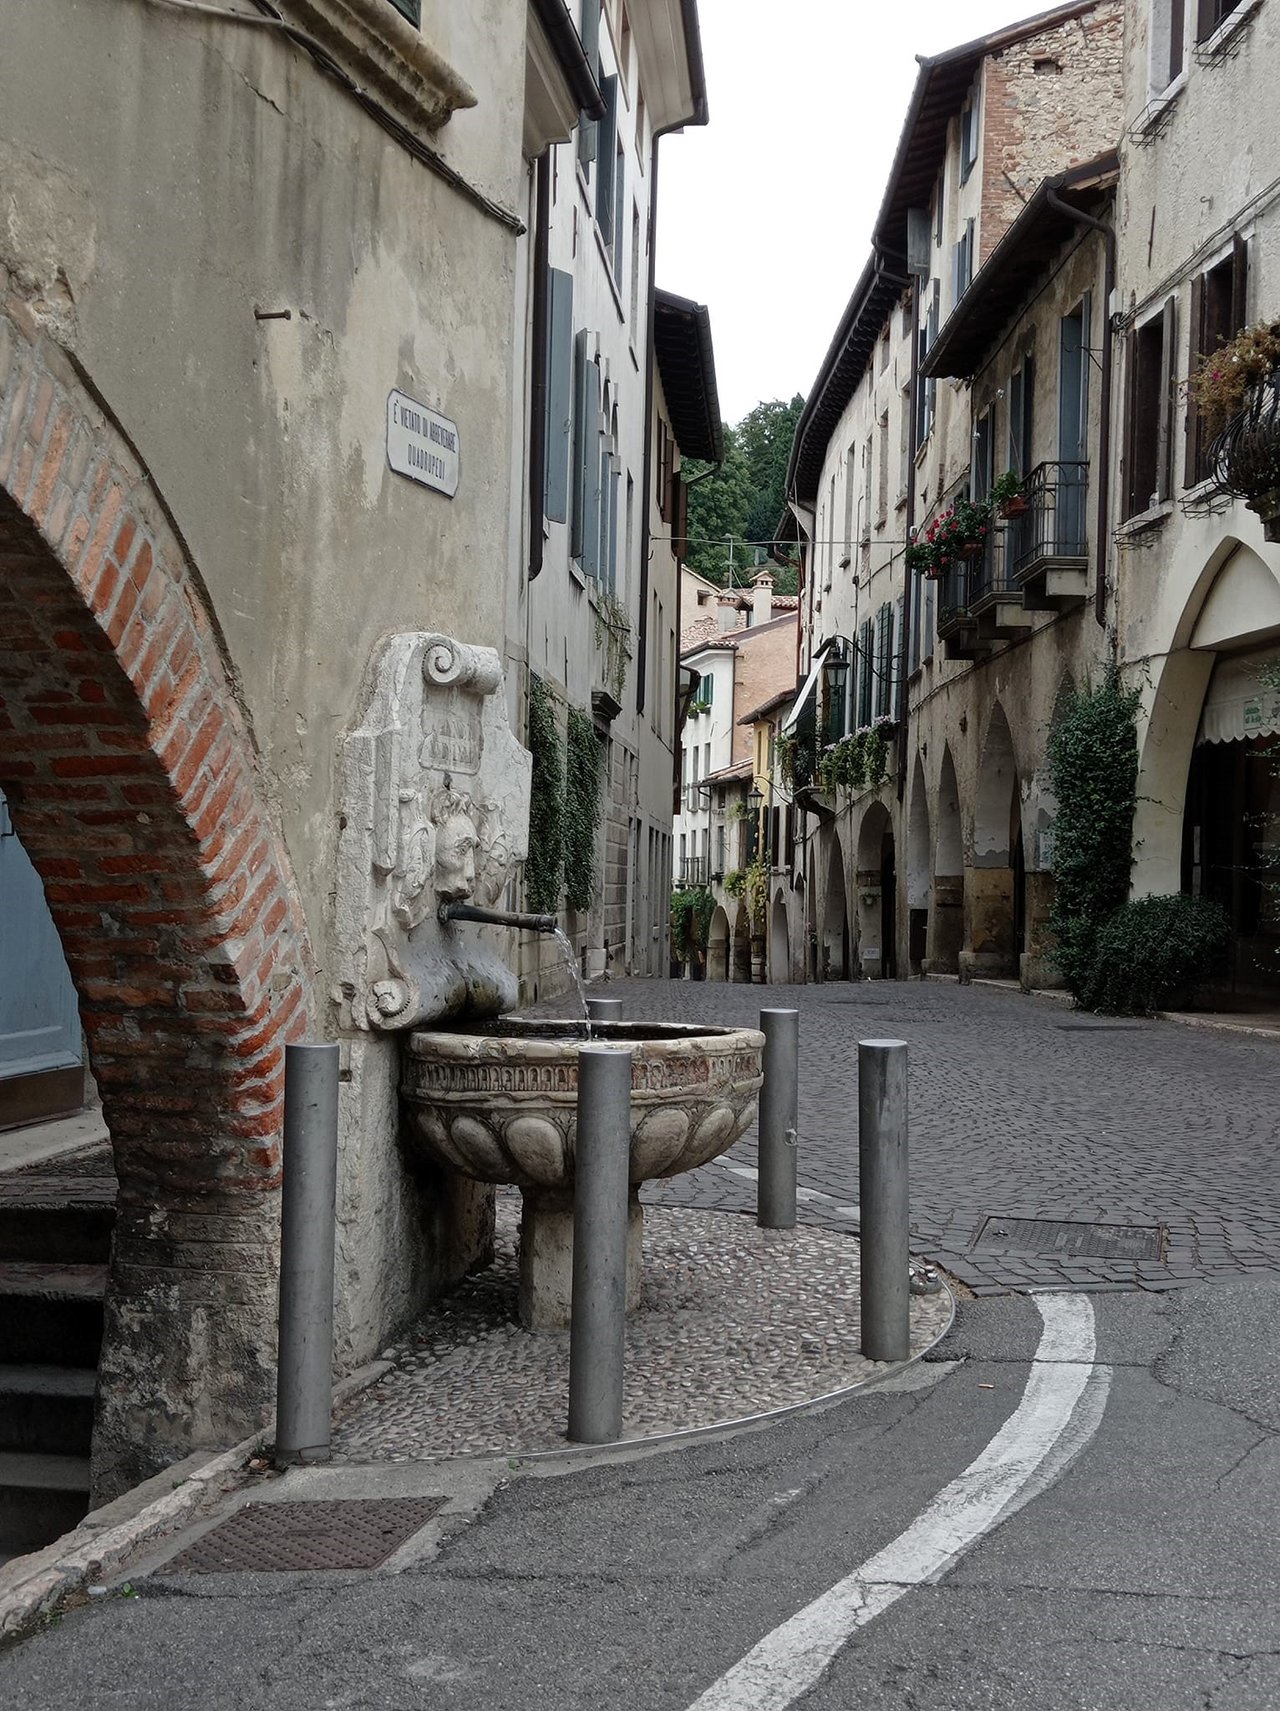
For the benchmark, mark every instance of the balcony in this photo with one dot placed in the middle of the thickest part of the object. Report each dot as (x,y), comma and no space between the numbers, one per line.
(694,870)
(995,600)
(1047,547)
(957,623)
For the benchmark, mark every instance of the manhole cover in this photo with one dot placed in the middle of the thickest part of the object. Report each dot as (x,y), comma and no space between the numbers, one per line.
(272,1538)
(1073,1241)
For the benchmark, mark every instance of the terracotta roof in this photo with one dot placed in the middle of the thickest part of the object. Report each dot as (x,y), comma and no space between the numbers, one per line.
(682,346)
(781,699)
(739,769)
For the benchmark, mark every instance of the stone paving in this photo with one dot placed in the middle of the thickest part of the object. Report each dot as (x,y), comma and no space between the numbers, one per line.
(733,1321)
(1020,1107)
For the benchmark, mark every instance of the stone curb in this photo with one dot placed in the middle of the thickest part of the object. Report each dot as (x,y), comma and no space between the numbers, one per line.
(32,1585)
(1218,1026)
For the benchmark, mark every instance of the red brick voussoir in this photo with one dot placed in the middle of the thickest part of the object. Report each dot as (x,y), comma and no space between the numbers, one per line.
(133,783)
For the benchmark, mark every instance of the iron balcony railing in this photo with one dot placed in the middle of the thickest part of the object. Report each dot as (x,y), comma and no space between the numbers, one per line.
(987,572)
(1055,522)
(693,870)
(953,597)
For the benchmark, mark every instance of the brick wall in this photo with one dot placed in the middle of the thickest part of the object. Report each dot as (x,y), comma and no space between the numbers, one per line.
(130,773)
(763,666)
(1048,102)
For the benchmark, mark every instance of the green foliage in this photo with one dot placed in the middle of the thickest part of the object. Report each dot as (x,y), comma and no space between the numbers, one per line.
(1154,952)
(613,634)
(857,762)
(544,867)
(691,912)
(581,810)
(795,754)
(1093,773)
(735,883)
(756,886)
(746,495)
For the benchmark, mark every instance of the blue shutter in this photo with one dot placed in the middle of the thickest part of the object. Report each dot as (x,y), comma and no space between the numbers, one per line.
(606,157)
(591,47)
(559,426)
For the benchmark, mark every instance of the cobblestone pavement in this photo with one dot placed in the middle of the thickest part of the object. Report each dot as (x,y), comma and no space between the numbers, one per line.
(1020,1107)
(733,1321)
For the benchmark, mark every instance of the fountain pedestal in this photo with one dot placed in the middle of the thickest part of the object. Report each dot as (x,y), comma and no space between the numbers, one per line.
(500,1105)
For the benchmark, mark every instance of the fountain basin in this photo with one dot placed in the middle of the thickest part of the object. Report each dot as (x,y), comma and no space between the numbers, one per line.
(499,1104)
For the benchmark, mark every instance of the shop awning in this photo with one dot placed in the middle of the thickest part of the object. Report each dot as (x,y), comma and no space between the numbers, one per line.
(1239,705)
(810,684)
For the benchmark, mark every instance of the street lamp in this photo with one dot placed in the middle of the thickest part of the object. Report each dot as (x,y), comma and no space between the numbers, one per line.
(755,800)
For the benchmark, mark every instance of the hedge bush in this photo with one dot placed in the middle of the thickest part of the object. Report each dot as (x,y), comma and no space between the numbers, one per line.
(1153,953)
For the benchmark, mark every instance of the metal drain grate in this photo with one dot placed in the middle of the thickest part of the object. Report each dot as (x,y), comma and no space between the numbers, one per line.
(273,1538)
(1072,1241)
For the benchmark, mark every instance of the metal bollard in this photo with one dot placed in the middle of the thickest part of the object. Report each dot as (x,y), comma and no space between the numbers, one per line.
(304,1374)
(597,1324)
(882,1170)
(779,1118)
(604,1009)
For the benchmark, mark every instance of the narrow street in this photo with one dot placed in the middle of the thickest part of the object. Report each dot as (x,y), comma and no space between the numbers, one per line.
(1131,1567)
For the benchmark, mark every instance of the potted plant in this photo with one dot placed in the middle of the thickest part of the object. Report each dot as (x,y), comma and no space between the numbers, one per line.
(1236,389)
(1007,496)
(959,532)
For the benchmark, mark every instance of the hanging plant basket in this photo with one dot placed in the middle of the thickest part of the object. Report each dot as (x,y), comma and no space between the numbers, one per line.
(1246,455)
(971,549)
(1017,506)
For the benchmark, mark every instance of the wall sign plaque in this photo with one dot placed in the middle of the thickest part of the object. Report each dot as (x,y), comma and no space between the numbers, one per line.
(422,444)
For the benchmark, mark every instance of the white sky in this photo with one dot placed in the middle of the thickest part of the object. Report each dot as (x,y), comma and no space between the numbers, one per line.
(766,214)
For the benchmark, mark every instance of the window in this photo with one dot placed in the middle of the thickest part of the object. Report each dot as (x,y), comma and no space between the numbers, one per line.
(635,272)
(937,208)
(904,435)
(1168,42)
(1210,14)
(962,263)
(1219,310)
(968,141)
(882,471)
(590,33)
(410,9)
(706,688)
(1018,455)
(1149,412)
(882,694)
(981,473)
(927,392)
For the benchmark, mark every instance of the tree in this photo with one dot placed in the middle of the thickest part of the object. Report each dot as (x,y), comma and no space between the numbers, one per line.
(745,497)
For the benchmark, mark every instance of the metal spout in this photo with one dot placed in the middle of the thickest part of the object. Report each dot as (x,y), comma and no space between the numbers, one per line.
(496,917)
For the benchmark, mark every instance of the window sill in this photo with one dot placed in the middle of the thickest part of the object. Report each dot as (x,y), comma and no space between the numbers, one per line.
(1144,521)
(386,55)
(1218,45)
(1158,110)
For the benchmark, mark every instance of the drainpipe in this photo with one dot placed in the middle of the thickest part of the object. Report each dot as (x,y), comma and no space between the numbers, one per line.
(904,280)
(1104,424)
(538,364)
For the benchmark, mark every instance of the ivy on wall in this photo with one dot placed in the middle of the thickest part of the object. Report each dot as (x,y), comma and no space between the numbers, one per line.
(581,809)
(1093,772)
(691,912)
(544,867)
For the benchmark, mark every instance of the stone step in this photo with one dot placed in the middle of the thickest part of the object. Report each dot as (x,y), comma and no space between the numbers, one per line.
(46,1408)
(41,1497)
(51,1313)
(56,1217)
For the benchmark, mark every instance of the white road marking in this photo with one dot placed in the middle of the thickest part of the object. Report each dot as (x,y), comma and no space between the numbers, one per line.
(750,1172)
(791,1659)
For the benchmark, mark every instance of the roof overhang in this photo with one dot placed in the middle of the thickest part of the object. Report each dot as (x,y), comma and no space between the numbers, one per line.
(687,366)
(669,47)
(1018,265)
(560,85)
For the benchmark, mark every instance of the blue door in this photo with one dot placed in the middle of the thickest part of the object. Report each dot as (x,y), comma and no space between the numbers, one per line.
(40,1056)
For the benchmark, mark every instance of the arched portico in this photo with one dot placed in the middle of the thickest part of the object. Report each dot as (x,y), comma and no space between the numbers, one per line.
(131,777)
(946,916)
(876,890)
(995,896)
(718,946)
(779,941)
(740,968)
(835,916)
(919,874)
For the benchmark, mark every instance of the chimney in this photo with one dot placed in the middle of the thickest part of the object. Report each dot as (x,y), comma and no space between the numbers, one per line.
(727,612)
(762,597)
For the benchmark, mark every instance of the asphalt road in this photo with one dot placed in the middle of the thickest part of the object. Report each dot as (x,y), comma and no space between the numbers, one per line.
(1142,1575)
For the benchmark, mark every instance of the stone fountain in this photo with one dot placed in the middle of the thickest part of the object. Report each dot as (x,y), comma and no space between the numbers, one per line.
(436,814)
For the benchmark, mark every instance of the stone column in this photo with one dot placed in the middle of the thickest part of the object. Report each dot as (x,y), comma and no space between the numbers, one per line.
(1037,968)
(946,924)
(989,950)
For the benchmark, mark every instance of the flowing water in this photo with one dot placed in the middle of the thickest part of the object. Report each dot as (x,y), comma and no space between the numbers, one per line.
(571,961)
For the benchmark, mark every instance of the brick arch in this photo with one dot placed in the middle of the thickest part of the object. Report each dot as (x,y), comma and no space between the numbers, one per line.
(132,778)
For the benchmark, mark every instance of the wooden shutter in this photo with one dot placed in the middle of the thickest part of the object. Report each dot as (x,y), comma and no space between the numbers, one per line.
(1177,37)
(1131,507)
(1168,399)
(588,128)
(583,377)
(559,419)
(607,158)
(1206,18)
